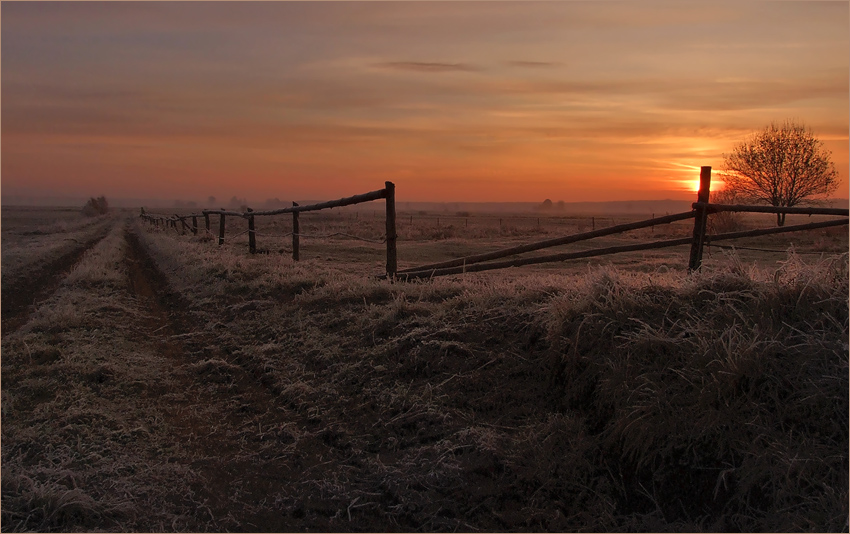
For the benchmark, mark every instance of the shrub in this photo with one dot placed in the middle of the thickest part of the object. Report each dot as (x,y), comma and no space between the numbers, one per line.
(96,206)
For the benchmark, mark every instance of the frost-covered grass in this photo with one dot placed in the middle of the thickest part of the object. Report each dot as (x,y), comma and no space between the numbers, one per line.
(86,442)
(282,396)
(600,400)
(32,238)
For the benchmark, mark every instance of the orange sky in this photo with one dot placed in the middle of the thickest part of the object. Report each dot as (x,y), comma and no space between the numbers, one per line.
(452,101)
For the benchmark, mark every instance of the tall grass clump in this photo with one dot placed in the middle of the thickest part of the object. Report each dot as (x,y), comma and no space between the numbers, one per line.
(720,400)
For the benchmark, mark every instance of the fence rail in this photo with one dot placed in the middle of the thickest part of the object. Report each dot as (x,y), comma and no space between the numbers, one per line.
(512,251)
(716,208)
(701,210)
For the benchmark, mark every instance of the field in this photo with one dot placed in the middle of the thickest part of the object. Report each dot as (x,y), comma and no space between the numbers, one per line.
(156,381)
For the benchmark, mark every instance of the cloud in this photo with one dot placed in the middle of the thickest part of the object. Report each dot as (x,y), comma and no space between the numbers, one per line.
(427,66)
(532,64)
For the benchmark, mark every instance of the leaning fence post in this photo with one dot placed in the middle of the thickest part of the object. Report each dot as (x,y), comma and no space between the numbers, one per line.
(392,260)
(296,231)
(700,219)
(252,239)
(221,229)
(194,225)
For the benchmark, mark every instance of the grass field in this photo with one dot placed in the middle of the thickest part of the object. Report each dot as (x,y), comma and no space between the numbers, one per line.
(161,382)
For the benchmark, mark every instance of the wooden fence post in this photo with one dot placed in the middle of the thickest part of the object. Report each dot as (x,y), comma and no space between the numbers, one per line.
(296,230)
(700,220)
(392,259)
(252,234)
(221,229)
(194,225)
(207,222)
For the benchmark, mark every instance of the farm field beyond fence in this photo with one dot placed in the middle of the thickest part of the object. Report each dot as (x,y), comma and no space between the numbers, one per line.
(153,380)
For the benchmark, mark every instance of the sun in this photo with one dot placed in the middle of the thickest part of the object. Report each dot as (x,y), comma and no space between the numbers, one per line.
(695,185)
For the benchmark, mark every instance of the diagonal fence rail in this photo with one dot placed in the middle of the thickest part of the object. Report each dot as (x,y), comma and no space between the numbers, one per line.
(699,239)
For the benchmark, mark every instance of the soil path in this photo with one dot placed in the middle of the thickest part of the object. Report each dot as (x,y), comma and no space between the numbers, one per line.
(22,295)
(223,412)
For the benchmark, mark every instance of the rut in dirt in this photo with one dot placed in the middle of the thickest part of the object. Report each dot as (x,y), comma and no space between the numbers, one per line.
(23,295)
(204,419)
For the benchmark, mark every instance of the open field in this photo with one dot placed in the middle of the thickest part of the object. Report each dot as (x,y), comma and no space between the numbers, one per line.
(164,383)
(38,247)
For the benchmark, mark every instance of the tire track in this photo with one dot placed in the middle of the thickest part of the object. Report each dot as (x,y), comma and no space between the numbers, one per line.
(222,411)
(22,295)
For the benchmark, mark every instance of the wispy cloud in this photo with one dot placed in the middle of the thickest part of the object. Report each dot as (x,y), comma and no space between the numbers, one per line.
(427,66)
(532,64)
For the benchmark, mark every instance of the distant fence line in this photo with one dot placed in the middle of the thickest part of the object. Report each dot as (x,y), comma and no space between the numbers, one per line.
(388,193)
(701,209)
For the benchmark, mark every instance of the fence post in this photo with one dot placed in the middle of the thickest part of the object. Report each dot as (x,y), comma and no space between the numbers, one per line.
(221,228)
(392,259)
(252,235)
(296,229)
(700,220)
(194,225)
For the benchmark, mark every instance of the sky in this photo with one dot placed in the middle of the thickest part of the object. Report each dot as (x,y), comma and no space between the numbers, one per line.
(452,101)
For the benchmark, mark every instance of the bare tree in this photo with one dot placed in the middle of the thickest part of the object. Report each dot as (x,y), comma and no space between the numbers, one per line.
(781,166)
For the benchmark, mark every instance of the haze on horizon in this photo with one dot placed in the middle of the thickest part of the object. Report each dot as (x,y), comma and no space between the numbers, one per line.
(452,101)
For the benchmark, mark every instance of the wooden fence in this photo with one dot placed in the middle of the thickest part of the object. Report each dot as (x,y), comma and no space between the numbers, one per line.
(388,193)
(483,262)
(701,210)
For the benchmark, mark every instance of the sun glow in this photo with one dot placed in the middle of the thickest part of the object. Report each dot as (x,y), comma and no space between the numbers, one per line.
(694,185)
